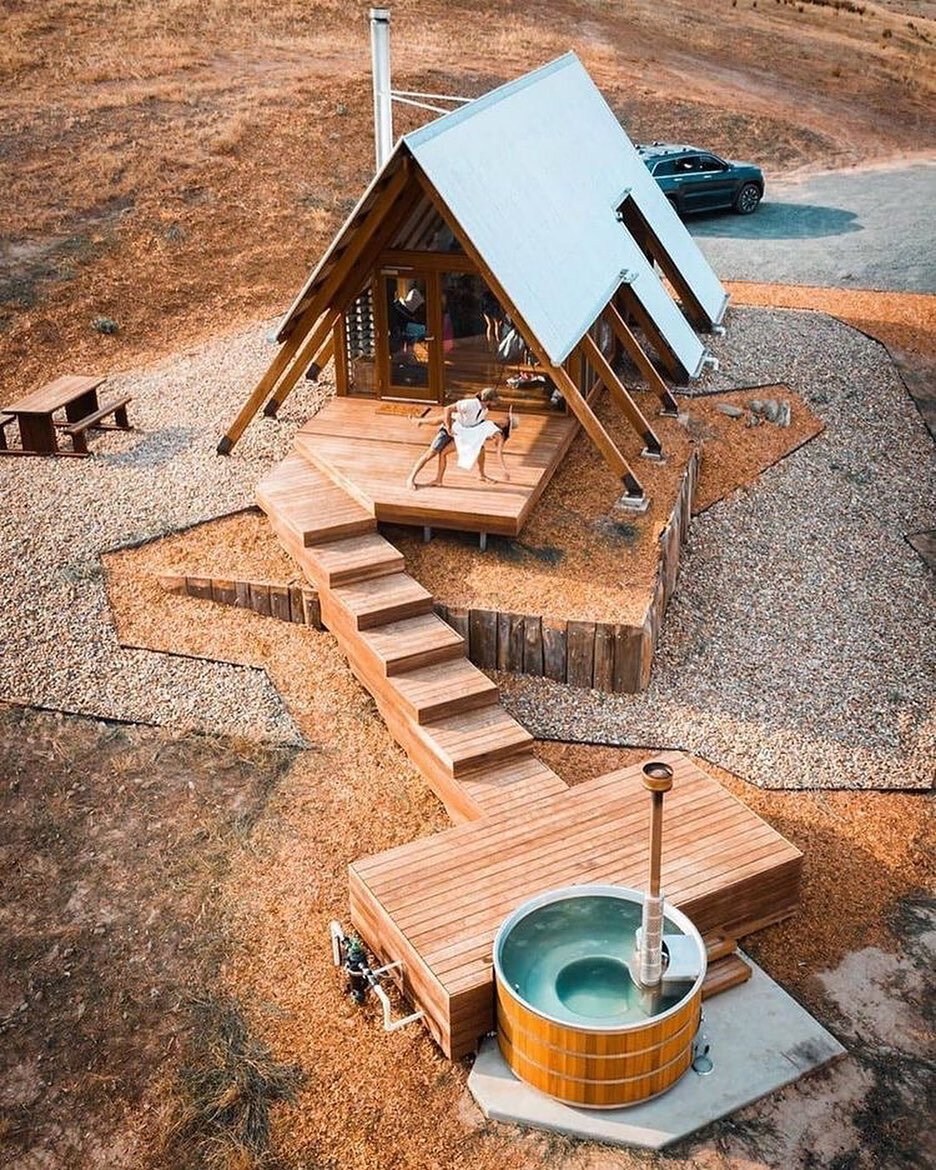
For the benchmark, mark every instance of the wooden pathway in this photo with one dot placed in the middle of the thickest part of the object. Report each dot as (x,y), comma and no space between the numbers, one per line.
(440,708)
(436,903)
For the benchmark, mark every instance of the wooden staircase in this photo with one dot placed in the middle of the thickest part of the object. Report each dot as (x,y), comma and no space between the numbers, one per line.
(435,903)
(442,710)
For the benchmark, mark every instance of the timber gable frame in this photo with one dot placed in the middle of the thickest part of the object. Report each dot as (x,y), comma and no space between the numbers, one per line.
(313,329)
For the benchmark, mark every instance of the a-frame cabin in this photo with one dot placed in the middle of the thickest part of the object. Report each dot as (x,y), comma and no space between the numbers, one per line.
(512,243)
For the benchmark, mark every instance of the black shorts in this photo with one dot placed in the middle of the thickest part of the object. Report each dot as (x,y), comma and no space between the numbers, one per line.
(441,441)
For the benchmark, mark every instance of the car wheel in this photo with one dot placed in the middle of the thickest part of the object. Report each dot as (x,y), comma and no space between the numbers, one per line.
(747,199)
(673,202)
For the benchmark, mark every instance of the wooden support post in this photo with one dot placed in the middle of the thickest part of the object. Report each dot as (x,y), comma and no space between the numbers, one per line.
(319,362)
(321,359)
(631,410)
(630,343)
(310,347)
(593,427)
(654,249)
(265,385)
(631,303)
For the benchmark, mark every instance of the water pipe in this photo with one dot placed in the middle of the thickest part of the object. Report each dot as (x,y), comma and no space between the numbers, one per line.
(350,954)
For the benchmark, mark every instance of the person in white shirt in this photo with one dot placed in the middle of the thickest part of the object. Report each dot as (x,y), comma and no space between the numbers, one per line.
(464,423)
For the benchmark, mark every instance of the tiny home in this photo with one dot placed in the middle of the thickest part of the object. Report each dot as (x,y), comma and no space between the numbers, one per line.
(518,242)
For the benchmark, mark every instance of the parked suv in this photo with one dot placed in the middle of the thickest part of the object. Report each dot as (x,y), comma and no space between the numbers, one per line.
(697,180)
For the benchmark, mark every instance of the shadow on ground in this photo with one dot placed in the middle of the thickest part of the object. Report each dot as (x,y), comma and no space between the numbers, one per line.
(777,221)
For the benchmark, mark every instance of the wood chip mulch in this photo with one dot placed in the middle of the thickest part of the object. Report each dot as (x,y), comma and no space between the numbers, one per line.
(356,793)
(572,560)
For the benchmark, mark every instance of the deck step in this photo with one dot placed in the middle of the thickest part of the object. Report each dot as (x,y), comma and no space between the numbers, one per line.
(406,645)
(726,973)
(308,505)
(380,600)
(471,740)
(432,692)
(718,946)
(356,558)
(499,789)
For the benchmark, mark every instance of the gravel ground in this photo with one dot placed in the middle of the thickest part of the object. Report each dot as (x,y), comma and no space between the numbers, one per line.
(798,649)
(59,515)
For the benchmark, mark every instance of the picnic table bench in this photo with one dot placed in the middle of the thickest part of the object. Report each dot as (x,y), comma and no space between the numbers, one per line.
(77,395)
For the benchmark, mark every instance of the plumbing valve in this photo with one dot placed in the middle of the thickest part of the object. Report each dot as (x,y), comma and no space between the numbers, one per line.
(357,969)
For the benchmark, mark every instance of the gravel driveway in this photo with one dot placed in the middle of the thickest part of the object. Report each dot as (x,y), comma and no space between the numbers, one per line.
(868,228)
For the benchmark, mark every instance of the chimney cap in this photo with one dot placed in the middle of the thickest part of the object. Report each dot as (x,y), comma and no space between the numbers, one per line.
(657,776)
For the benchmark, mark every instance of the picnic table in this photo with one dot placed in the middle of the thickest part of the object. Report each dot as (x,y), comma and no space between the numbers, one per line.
(77,395)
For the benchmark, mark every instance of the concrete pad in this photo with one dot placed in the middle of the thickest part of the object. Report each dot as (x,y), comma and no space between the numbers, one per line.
(761,1039)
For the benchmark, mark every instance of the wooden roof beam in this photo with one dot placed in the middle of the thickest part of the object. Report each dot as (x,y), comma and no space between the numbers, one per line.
(630,303)
(322,356)
(655,249)
(261,391)
(591,425)
(632,412)
(376,224)
(355,279)
(625,336)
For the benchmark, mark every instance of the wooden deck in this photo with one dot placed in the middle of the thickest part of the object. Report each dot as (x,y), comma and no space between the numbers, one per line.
(369,454)
(437,903)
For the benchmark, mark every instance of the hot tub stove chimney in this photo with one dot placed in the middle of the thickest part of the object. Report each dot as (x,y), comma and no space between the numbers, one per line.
(658,780)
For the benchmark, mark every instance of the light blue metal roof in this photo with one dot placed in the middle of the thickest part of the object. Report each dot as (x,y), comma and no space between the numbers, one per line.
(534,173)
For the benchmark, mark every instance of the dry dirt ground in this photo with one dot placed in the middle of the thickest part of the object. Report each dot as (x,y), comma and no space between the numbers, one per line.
(165,979)
(177,167)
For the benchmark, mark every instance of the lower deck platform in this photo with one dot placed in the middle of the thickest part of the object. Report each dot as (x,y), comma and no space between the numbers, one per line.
(368,447)
(436,903)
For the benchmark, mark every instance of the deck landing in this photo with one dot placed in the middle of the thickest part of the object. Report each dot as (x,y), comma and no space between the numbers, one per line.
(369,454)
(436,903)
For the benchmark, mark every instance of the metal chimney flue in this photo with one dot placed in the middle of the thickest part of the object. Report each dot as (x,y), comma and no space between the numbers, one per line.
(658,780)
(380,60)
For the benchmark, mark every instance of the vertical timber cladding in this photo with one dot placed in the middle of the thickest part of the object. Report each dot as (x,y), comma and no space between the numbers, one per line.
(597,1069)
(610,657)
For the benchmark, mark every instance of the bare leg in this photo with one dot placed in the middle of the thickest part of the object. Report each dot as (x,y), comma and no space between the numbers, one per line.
(443,461)
(499,447)
(484,478)
(417,468)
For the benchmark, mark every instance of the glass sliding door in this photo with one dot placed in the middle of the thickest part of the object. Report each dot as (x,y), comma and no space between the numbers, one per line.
(410,343)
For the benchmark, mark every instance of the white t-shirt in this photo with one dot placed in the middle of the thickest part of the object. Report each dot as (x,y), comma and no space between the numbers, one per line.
(469,412)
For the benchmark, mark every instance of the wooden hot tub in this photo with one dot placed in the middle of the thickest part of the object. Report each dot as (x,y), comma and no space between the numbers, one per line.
(570,1019)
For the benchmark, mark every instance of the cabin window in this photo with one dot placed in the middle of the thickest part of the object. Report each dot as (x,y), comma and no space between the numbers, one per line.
(360,354)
